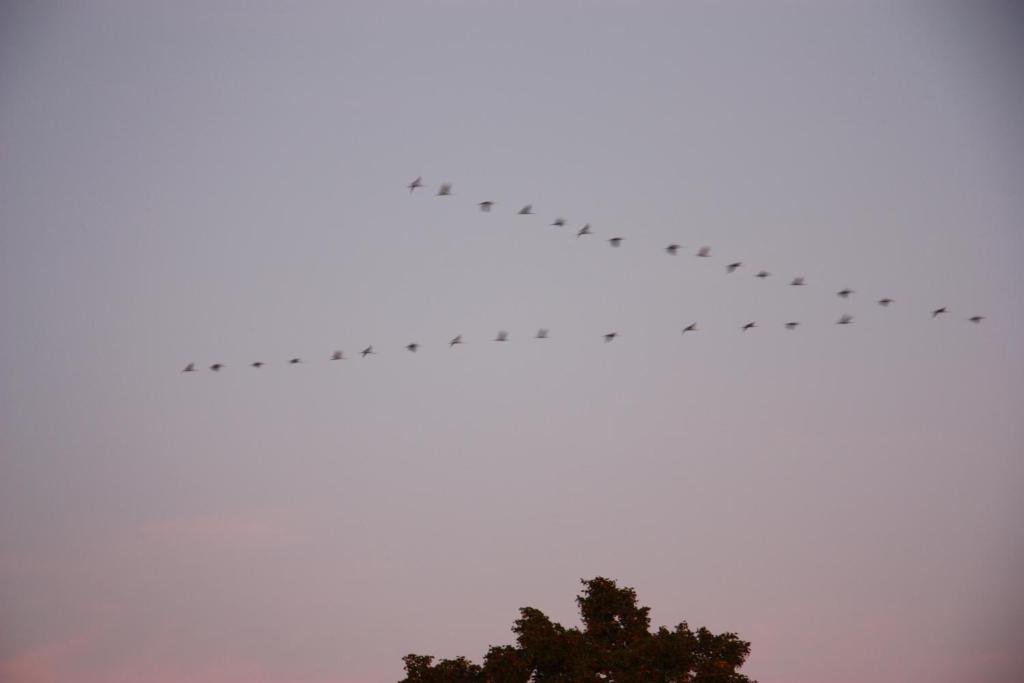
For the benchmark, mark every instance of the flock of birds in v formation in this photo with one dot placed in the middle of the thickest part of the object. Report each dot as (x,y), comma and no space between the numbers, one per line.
(445,190)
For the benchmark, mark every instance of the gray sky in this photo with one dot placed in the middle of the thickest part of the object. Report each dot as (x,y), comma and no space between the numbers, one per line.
(209,181)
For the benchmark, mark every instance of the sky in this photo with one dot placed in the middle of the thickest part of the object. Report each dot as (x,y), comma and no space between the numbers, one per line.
(226,182)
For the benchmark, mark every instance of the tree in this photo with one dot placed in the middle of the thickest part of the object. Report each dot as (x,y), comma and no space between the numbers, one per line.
(615,645)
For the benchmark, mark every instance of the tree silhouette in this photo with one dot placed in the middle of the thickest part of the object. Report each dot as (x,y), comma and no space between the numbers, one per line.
(615,645)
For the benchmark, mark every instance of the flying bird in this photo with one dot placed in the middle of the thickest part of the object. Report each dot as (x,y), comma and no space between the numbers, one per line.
(191,367)
(610,336)
(692,327)
(844,293)
(526,210)
(762,274)
(749,326)
(258,364)
(791,325)
(542,334)
(976,319)
(797,282)
(368,351)
(845,320)
(337,355)
(412,347)
(672,249)
(445,190)
(559,222)
(585,230)
(938,311)
(615,241)
(884,302)
(501,336)
(704,252)
(486,206)
(416,183)
(294,361)
(455,340)
(216,367)
(733,266)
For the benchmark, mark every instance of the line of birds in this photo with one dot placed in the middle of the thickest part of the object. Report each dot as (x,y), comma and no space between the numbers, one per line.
(445,190)
(503,336)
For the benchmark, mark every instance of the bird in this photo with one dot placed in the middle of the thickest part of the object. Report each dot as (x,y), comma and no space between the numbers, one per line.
(216,367)
(501,336)
(749,326)
(704,252)
(976,319)
(526,210)
(845,320)
(455,340)
(844,293)
(412,347)
(486,206)
(672,249)
(615,241)
(191,367)
(541,334)
(585,230)
(692,327)
(445,190)
(294,361)
(368,351)
(731,268)
(938,311)
(559,222)
(762,274)
(337,355)
(797,282)
(791,325)
(610,336)
(257,364)
(416,183)
(884,302)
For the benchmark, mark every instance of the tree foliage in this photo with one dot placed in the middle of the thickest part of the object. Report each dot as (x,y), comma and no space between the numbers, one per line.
(614,645)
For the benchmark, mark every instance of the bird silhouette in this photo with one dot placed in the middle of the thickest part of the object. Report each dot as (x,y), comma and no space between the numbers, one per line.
(749,326)
(791,325)
(692,327)
(416,183)
(938,311)
(585,230)
(976,319)
(337,355)
(797,282)
(845,320)
(542,334)
(615,241)
(455,340)
(704,252)
(191,367)
(216,367)
(845,293)
(445,190)
(762,274)
(501,336)
(559,222)
(672,249)
(294,361)
(368,351)
(610,336)
(884,302)
(412,347)
(486,206)
(731,268)
(257,364)
(526,210)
